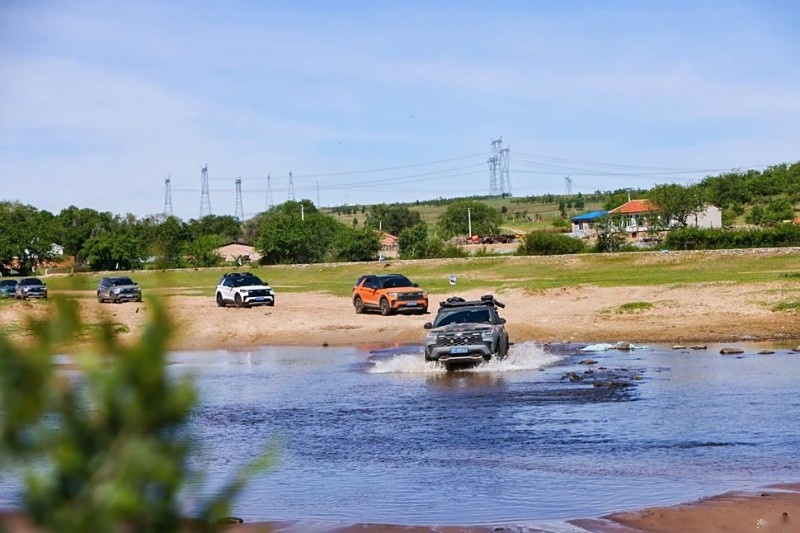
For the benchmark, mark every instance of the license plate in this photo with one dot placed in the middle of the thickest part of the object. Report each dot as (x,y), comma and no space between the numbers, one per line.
(459,349)
(411,304)
(260,298)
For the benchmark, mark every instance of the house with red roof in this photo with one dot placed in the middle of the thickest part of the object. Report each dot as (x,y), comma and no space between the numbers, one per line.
(636,216)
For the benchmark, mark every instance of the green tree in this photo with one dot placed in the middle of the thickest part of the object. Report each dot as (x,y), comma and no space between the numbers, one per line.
(226,227)
(27,235)
(674,203)
(295,232)
(352,244)
(76,226)
(170,238)
(392,218)
(114,442)
(456,219)
(202,251)
(111,252)
(778,210)
(411,241)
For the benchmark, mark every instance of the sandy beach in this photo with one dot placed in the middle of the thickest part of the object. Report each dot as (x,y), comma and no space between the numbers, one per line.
(684,314)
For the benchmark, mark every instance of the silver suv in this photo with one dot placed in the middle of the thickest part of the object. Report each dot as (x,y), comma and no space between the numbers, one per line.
(466,333)
(243,289)
(116,290)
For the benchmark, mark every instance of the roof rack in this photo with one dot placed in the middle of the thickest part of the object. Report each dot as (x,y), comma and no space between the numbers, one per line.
(457,301)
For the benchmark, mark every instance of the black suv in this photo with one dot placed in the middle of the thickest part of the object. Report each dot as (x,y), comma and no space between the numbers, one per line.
(466,333)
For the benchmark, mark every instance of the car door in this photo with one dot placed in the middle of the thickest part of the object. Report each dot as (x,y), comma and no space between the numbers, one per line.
(370,292)
(227,289)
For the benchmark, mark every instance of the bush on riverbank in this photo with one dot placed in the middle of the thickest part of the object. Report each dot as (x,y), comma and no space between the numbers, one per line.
(780,235)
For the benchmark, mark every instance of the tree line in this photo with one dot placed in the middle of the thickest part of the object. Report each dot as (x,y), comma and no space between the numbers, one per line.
(298,232)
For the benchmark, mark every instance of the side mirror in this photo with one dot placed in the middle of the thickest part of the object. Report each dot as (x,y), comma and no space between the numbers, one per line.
(502,320)
(427,325)
(416,284)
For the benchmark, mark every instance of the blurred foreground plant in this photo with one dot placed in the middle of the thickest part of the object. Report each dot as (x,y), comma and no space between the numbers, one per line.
(108,443)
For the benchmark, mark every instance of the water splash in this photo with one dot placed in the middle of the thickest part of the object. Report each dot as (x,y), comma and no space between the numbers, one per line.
(522,356)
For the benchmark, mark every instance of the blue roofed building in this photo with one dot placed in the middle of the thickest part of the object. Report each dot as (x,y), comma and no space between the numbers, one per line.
(584,225)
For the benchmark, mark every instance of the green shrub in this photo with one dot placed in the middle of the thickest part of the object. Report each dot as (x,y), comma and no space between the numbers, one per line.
(108,452)
(543,243)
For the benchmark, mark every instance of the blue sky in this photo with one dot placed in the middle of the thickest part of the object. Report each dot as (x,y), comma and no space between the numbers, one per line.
(379,101)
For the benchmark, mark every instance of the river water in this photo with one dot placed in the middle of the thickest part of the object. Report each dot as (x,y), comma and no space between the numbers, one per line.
(380,436)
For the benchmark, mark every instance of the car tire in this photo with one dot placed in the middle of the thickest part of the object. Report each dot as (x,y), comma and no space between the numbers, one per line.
(423,311)
(99,298)
(386,310)
(220,301)
(358,304)
(271,304)
(238,300)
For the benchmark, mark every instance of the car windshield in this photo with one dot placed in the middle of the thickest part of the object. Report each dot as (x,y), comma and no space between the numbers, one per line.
(8,283)
(122,281)
(464,316)
(247,280)
(31,281)
(395,282)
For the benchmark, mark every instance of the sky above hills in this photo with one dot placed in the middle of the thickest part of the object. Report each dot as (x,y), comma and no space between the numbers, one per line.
(384,101)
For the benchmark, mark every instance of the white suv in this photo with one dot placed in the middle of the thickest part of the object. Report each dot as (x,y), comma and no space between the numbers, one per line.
(243,289)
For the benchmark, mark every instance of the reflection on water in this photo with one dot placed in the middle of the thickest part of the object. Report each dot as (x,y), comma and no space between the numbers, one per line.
(382,436)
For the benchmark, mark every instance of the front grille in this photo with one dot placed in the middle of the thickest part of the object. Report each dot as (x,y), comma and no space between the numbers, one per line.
(129,291)
(258,292)
(406,296)
(458,339)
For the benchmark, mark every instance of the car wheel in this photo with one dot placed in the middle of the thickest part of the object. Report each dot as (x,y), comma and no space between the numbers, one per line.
(423,311)
(139,299)
(358,304)
(271,304)
(99,298)
(220,301)
(238,300)
(114,299)
(385,309)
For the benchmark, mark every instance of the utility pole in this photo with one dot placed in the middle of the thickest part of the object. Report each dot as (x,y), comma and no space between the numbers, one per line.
(239,211)
(205,200)
(302,213)
(469,222)
(568,185)
(167,198)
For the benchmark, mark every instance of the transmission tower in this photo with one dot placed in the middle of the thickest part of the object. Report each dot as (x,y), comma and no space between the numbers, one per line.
(239,211)
(568,185)
(270,202)
(505,178)
(205,200)
(167,198)
(291,186)
(499,179)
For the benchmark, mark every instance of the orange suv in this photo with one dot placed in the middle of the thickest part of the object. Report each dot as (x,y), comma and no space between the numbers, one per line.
(388,293)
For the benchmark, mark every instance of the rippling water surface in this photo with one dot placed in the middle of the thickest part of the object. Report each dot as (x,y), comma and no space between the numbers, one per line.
(384,437)
(381,436)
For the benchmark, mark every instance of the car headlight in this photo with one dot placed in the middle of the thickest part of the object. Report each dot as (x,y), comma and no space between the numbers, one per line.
(431,338)
(394,294)
(487,336)
(243,292)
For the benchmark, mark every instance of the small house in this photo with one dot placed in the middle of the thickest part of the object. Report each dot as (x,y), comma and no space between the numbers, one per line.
(584,225)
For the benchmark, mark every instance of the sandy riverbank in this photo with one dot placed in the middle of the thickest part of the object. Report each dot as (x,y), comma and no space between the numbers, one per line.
(699,313)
